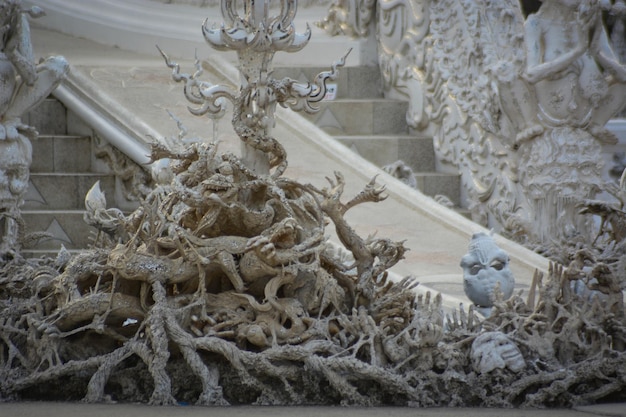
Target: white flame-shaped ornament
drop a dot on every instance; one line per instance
(257, 30)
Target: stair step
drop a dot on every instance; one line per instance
(437, 183)
(49, 117)
(361, 117)
(48, 253)
(61, 191)
(66, 226)
(61, 174)
(352, 82)
(57, 153)
(415, 151)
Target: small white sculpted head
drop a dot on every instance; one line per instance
(494, 350)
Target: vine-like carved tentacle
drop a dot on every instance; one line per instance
(259, 141)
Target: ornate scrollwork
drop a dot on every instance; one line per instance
(503, 96)
(255, 35)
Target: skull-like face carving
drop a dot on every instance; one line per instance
(484, 266)
(493, 350)
(15, 159)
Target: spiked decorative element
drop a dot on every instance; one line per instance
(257, 30)
(255, 37)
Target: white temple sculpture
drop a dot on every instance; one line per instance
(517, 106)
(23, 85)
(222, 287)
(350, 18)
(256, 34)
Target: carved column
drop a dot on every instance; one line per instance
(23, 86)
(256, 34)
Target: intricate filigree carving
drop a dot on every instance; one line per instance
(504, 107)
(256, 37)
(349, 17)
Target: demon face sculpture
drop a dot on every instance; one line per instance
(484, 267)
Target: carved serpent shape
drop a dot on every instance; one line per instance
(262, 142)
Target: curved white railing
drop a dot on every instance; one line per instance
(98, 111)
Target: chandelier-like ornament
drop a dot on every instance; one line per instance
(257, 30)
(255, 33)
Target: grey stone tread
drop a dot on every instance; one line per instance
(437, 174)
(64, 191)
(43, 212)
(70, 174)
(61, 153)
(390, 136)
(43, 136)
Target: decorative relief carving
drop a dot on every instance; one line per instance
(349, 17)
(23, 85)
(518, 107)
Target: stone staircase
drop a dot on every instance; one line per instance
(64, 165)
(62, 171)
(375, 128)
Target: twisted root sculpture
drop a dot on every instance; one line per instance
(222, 289)
(221, 273)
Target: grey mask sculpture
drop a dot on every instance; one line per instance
(484, 266)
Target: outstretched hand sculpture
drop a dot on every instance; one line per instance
(23, 85)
